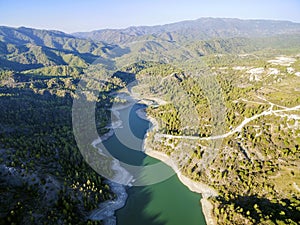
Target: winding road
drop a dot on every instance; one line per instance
(270, 111)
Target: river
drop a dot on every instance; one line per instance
(164, 203)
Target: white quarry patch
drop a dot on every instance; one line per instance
(283, 61)
(255, 74)
(239, 67)
(259, 70)
(223, 68)
(273, 71)
(290, 70)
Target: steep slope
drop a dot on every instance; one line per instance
(52, 39)
(26, 48)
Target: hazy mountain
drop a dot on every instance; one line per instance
(200, 29)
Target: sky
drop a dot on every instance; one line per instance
(87, 15)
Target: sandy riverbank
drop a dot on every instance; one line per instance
(197, 187)
(194, 186)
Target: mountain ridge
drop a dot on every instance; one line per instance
(21, 47)
(202, 28)
(29, 48)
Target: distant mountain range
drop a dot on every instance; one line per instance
(200, 29)
(26, 48)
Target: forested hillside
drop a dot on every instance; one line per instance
(25, 48)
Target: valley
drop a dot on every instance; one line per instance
(222, 96)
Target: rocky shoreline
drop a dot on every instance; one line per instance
(106, 210)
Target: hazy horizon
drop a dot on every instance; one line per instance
(78, 16)
(142, 25)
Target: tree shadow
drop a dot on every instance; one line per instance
(11, 65)
(125, 77)
(277, 210)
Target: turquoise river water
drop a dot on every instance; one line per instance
(165, 203)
